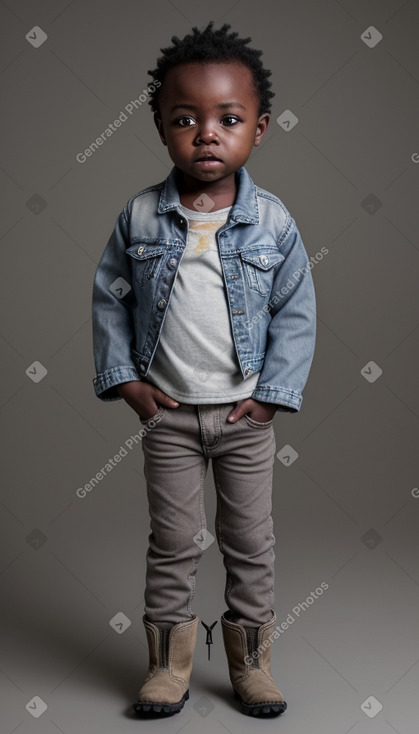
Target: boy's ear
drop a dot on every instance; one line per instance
(159, 125)
(262, 127)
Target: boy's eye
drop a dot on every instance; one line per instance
(181, 121)
(187, 121)
(233, 119)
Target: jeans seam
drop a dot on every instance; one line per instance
(219, 525)
(196, 559)
(217, 425)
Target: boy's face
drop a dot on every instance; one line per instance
(209, 109)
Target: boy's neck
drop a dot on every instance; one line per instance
(223, 193)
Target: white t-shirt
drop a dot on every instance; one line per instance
(195, 360)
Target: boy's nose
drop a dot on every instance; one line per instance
(206, 134)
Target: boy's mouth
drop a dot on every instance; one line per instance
(207, 157)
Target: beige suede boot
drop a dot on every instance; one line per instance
(166, 686)
(249, 663)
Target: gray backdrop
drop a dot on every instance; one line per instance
(346, 510)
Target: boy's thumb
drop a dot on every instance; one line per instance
(167, 400)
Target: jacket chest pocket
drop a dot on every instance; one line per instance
(258, 267)
(146, 261)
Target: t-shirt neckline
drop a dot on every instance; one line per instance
(193, 213)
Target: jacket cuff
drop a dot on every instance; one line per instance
(105, 382)
(288, 399)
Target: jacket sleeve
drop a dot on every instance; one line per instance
(112, 321)
(292, 328)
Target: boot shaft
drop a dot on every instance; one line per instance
(171, 648)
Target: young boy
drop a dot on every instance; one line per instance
(204, 323)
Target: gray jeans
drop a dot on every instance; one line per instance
(177, 447)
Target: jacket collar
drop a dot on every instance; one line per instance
(245, 208)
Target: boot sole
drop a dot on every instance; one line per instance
(267, 708)
(160, 707)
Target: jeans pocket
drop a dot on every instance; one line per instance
(157, 416)
(257, 424)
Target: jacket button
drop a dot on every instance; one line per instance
(264, 260)
(181, 222)
(172, 262)
(140, 250)
(142, 367)
(248, 371)
(161, 304)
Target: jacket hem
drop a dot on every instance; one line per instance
(283, 396)
(105, 382)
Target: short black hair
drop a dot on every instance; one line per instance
(212, 45)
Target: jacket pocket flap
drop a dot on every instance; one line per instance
(265, 260)
(144, 252)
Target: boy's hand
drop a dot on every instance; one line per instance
(144, 398)
(261, 412)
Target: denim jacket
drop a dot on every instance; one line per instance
(268, 285)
